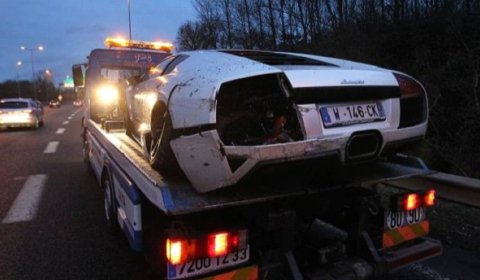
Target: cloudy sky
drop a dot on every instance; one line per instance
(69, 29)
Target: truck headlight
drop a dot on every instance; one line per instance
(107, 94)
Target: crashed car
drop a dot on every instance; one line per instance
(220, 114)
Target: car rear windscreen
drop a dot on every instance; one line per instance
(13, 105)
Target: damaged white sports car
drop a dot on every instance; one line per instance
(221, 114)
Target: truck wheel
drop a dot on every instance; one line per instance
(86, 157)
(109, 204)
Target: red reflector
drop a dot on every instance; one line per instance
(218, 244)
(429, 198)
(175, 251)
(411, 202)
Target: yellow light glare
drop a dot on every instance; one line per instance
(150, 99)
(143, 127)
(107, 94)
(124, 43)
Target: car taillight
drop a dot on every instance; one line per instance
(408, 87)
(412, 101)
(179, 250)
(412, 201)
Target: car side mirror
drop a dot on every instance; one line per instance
(133, 80)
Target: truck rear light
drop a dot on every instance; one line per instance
(411, 202)
(179, 250)
(218, 244)
(429, 198)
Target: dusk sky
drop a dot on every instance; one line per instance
(69, 29)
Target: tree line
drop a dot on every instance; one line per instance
(436, 41)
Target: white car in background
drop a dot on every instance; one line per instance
(20, 112)
(221, 114)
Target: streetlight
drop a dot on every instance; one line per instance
(18, 65)
(129, 23)
(38, 48)
(48, 79)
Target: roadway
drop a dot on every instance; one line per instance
(52, 217)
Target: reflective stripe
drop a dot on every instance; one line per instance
(400, 235)
(246, 273)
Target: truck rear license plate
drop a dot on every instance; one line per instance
(206, 265)
(398, 219)
(334, 116)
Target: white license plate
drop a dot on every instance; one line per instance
(205, 265)
(398, 219)
(334, 116)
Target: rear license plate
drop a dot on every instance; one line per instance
(205, 265)
(334, 116)
(398, 219)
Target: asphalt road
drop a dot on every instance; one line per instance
(55, 229)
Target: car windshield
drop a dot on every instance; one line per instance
(117, 75)
(13, 105)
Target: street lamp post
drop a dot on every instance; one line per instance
(18, 65)
(38, 48)
(48, 79)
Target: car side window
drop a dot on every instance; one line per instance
(160, 68)
(179, 59)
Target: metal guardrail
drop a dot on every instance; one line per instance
(450, 187)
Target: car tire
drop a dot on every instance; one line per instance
(36, 125)
(109, 205)
(162, 157)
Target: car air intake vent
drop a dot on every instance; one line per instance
(363, 145)
(313, 95)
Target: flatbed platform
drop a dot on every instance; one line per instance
(176, 196)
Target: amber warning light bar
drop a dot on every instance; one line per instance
(124, 43)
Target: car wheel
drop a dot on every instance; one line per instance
(36, 124)
(109, 205)
(162, 157)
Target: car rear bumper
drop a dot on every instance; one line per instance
(208, 164)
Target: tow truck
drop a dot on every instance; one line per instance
(309, 220)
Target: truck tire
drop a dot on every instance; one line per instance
(86, 157)
(109, 204)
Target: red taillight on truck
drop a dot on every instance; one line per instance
(180, 250)
(429, 198)
(412, 201)
(176, 251)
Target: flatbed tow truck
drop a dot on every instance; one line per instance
(313, 220)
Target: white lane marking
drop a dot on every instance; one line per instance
(51, 147)
(69, 118)
(65, 122)
(60, 130)
(25, 206)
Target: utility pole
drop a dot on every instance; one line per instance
(129, 23)
(18, 65)
(39, 48)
